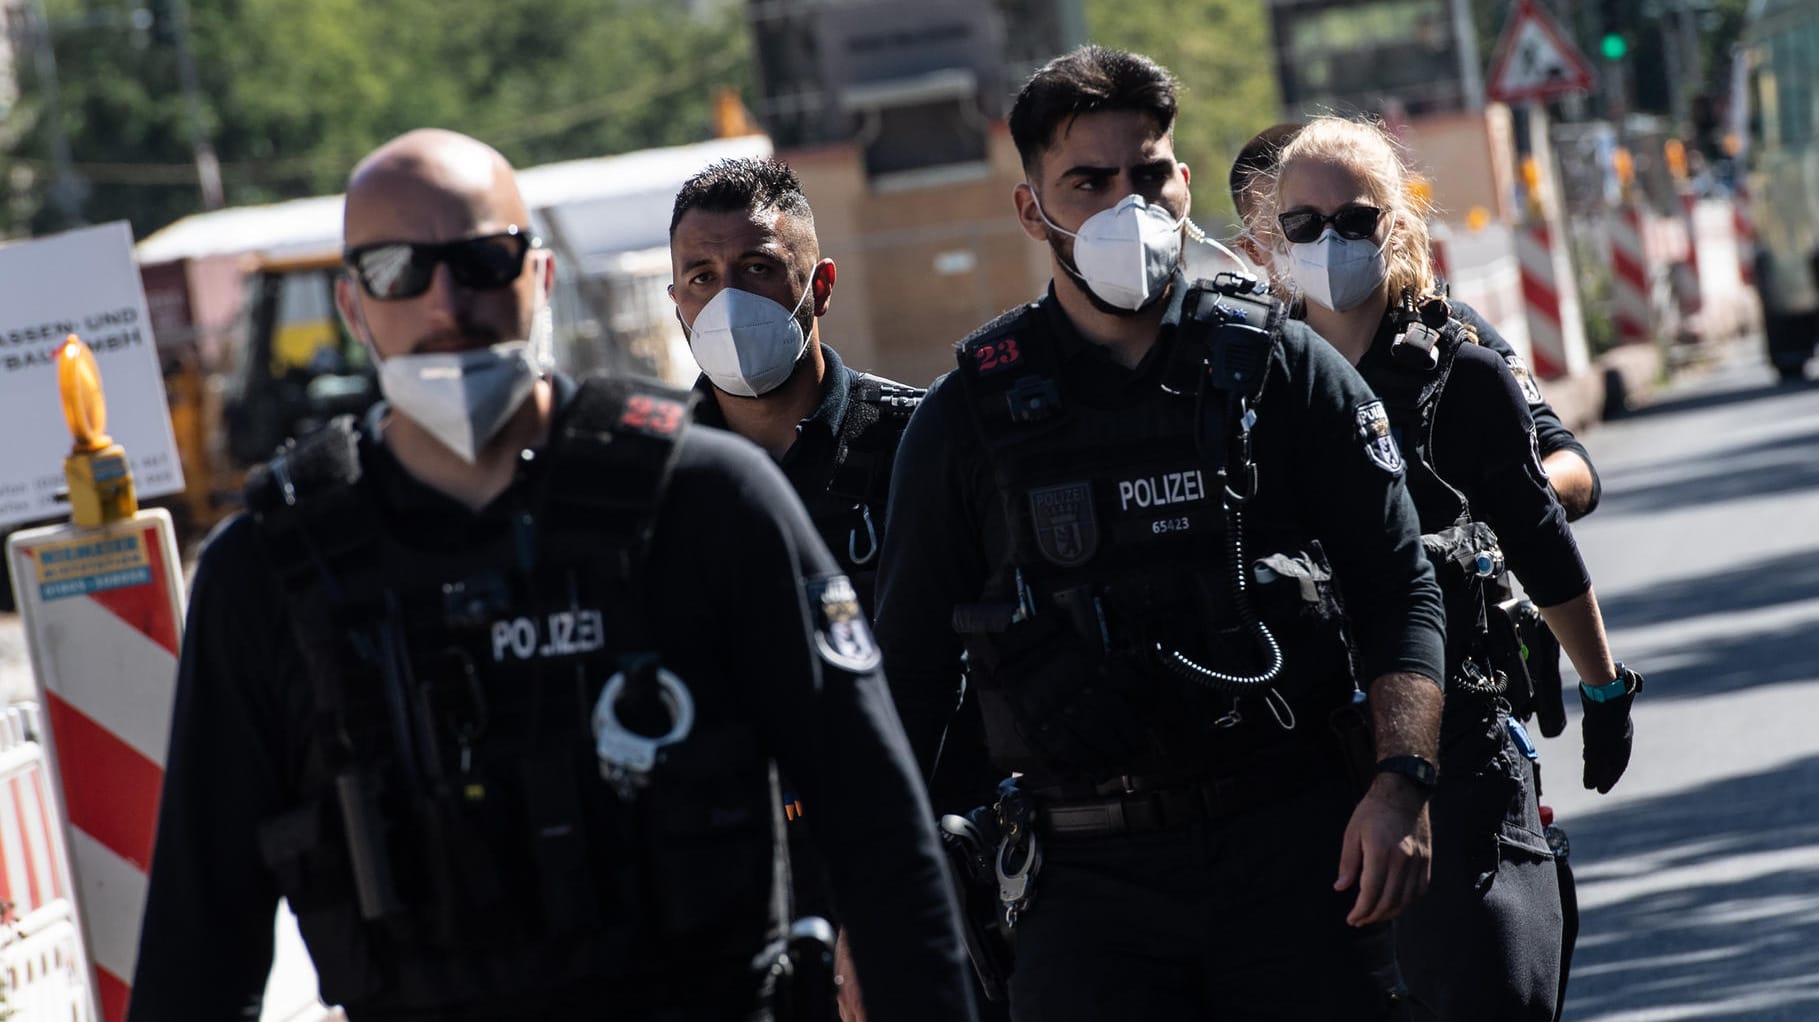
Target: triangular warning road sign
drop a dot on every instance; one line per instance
(1535, 59)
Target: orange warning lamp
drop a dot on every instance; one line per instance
(1675, 152)
(100, 481)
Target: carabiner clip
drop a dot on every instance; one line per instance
(871, 539)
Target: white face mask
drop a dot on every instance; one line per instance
(1125, 254)
(1337, 273)
(463, 398)
(746, 343)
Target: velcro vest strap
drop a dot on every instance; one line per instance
(611, 462)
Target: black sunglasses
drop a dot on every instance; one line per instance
(390, 270)
(1305, 225)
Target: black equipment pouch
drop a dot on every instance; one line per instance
(1541, 657)
(971, 843)
(1505, 648)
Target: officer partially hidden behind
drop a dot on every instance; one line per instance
(751, 288)
(1133, 507)
(489, 686)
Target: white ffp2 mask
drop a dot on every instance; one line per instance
(464, 398)
(1125, 253)
(746, 344)
(1337, 273)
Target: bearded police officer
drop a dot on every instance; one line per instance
(751, 287)
(489, 685)
(1133, 507)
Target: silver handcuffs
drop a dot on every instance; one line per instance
(627, 757)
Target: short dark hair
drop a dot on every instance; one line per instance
(743, 183)
(1091, 79)
(1259, 156)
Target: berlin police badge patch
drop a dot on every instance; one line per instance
(1067, 531)
(1531, 391)
(1374, 433)
(841, 635)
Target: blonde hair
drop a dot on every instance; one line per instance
(1366, 149)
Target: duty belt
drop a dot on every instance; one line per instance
(1135, 806)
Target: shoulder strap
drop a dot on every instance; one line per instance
(307, 504)
(877, 411)
(320, 534)
(611, 460)
(1010, 373)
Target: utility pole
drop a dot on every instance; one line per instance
(208, 167)
(67, 190)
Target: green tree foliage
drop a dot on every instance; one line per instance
(293, 93)
(1220, 49)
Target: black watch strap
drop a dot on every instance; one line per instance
(1416, 768)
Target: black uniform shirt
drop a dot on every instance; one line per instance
(1314, 474)
(730, 553)
(808, 464)
(1485, 446)
(1551, 433)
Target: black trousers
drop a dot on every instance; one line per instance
(1484, 943)
(1230, 921)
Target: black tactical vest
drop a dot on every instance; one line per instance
(849, 510)
(1468, 564)
(1115, 557)
(456, 838)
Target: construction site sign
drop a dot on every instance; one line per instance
(81, 282)
(1536, 60)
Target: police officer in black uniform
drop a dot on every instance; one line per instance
(750, 287)
(1485, 942)
(1570, 472)
(1132, 507)
(1570, 475)
(490, 686)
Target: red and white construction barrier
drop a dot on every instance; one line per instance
(1743, 230)
(103, 610)
(1632, 309)
(41, 949)
(1551, 301)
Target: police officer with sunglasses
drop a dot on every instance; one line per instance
(1570, 472)
(456, 687)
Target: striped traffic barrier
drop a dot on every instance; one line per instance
(101, 599)
(1744, 229)
(103, 609)
(1629, 261)
(1550, 301)
(1691, 295)
(41, 950)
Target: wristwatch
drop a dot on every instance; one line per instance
(1626, 682)
(1416, 768)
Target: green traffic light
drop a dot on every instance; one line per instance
(1613, 46)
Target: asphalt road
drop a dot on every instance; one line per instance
(1699, 874)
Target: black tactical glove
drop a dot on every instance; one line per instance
(1607, 730)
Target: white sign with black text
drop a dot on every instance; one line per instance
(82, 282)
